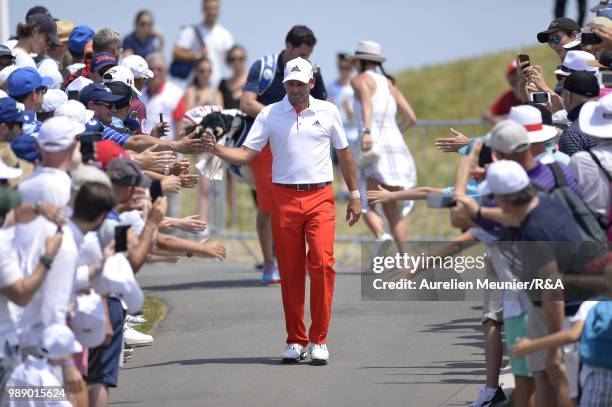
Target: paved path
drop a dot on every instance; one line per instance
(219, 346)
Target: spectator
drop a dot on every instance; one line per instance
(200, 92)
(560, 9)
(231, 88)
(341, 93)
(145, 39)
(107, 40)
(80, 36)
(561, 31)
(579, 88)
(50, 62)
(34, 37)
(26, 86)
(501, 107)
(142, 73)
(217, 41)
(596, 23)
(100, 63)
(6, 57)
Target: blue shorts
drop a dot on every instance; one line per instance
(104, 360)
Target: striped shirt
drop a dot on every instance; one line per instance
(573, 139)
(543, 176)
(111, 134)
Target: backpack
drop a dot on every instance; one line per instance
(182, 69)
(267, 71)
(608, 222)
(596, 339)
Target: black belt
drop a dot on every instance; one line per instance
(306, 187)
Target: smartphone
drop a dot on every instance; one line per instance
(524, 58)
(606, 78)
(590, 39)
(156, 190)
(121, 238)
(73, 95)
(540, 97)
(485, 157)
(88, 140)
(161, 117)
(440, 201)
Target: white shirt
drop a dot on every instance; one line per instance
(46, 184)
(23, 59)
(35, 372)
(9, 275)
(218, 41)
(593, 184)
(300, 144)
(164, 102)
(49, 67)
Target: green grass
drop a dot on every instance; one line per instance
(460, 89)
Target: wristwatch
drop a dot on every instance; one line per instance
(36, 207)
(366, 130)
(46, 261)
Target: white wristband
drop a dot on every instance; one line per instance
(355, 194)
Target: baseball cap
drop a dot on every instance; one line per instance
(123, 74)
(576, 61)
(64, 29)
(8, 172)
(46, 24)
(6, 51)
(88, 173)
(596, 117)
(561, 23)
(504, 177)
(58, 342)
(95, 92)
(87, 319)
(9, 199)
(511, 67)
(531, 118)
(75, 111)
(298, 69)
(582, 83)
(125, 172)
(117, 280)
(5, 72)
(509, 137)
(58, 133)
(138, 66)
(107, 151)
(102, 60)
(26, 80)
(604, 62)
(78, 84)
(24, 147)
(53, 99)
(10, 112)
(79, 37)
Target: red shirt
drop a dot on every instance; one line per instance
(503, 104)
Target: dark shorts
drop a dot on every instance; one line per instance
(104, 360)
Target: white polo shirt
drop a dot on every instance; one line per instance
(300, 143)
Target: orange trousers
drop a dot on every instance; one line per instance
(300, 218)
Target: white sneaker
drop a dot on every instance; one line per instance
(294, 353)
(134, 338)
(135, 320)
(319, 355)
(382, 245)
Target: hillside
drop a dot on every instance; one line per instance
(463, 89)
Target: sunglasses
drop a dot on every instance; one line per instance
(554, 39)
(346, 67)
(145, 24)
(205, 71)
(41, 89)
(236, 59)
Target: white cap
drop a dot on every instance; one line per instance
(117, 280)
(509, 137)
(58, 133)
(138, 65)
(121, 74)
(88, 173)
(58, 342)
(504, 177)
(596, 117)
(7, 172)
(88, 320)
(531, 118)
(75, 111)
(5, 72)
(298, 69)
(53, 99)
(576, 61)
(78, 84)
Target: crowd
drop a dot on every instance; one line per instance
(96, 142)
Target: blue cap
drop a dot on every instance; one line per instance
(95, 92)
(79, 37)
(24, 147)
(26, 80)
(9, 113)
(102, 60)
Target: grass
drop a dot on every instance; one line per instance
(154, 310)
(461, 89)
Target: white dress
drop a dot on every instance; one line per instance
(396, 166)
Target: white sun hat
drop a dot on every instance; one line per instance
(596, 117)
(531, 118)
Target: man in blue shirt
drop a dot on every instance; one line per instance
(26, 86)
(265, 86)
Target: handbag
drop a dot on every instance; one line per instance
(182, 69)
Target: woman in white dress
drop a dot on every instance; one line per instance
(390, 163)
